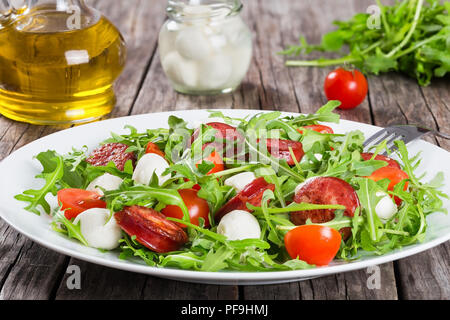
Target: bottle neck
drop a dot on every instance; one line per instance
(198, 10)
(49, 15)
(66, 5)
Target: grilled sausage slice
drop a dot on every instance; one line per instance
(151, 228)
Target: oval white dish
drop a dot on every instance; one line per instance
(19, 169)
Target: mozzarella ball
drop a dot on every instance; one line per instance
(106, 181)
(215, 71)
(99, 230)
(233, 28)
(180, 70)
(191, 43)
(149, 164)
(240, 180)
(218, 42)
(239, 225)
(385, 208)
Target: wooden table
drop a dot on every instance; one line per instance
(29, 271)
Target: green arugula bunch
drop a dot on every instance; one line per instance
(413, 38)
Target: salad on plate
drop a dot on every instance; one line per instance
(267, 192)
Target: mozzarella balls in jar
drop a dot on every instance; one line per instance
(205, 46)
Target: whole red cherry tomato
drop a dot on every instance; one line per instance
(75, 201)
(197, 207)
(313, 243)
(349, 87)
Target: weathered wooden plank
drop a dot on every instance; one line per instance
(353, 285)
(134, 19)
(139, 22)
(289, 291)
(163, 289)
(426, 276)
(11, 244)
(34, 274)
(437, 98)
(312, 19)
(18, 255)
(132, 25)
(397, 99)
(101, 283)
(161, 97)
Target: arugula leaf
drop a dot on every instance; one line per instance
(131, 248)
(413, 39)
(367, 195)
(143, 195)
(216, 260)
(53, 171)
(70, 229)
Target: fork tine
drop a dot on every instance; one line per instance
(376, 138)
(393, 137)
(393, 149)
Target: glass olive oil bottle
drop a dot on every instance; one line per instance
(58, 63)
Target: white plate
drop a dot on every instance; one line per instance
(18, 171)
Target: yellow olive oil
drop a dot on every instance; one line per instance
(49, 76)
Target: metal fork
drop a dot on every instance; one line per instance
(407, 133)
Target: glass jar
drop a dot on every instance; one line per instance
(58, 61)
(205, 46)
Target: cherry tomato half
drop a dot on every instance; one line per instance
(216, 159)
(314, 244)
(395, 176)
(349, 87)
(197, 207)
(153, 148)
(318, 128)
(391, 162)
(75, 201)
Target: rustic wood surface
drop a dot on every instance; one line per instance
(29, 271)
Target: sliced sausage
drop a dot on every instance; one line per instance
(279, 149)
(224, 131)
(151, 228)
(252, 193)
(115, 152)
(325, 190)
